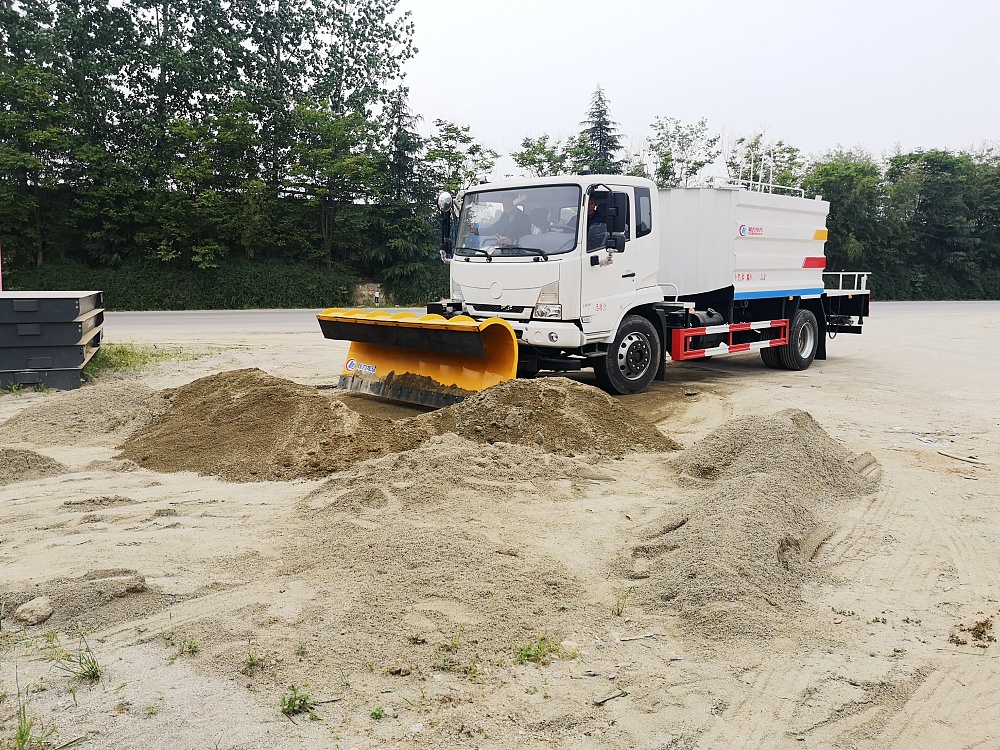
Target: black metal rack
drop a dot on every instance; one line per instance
(46, 338)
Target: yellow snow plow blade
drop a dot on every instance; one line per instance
(429, 360)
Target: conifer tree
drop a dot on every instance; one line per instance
(599, 143)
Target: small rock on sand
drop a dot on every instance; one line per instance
(33, 612)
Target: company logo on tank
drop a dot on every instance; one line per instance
(746, 231)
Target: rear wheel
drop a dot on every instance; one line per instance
(803, 340)
(631, 363)
(772, 357)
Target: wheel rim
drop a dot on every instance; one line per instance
(633, 356)
(806, 341)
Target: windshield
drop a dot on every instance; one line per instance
(527, 221)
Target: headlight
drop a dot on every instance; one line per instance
(548, 307)
(548, 312)
(456, 291)
(549, 294)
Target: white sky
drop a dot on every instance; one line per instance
(874, 74)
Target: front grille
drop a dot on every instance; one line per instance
(499, 308)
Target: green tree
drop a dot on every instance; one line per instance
(405, 223)
(984, 202)
(362, 53)
(33, 144)
(599, 143)
(455, 158)
(928, 196)
(540, 158)
(681, 151)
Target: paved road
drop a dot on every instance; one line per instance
(145, 324)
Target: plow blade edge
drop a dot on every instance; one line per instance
(430, 360)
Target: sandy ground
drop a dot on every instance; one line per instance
(779, 582)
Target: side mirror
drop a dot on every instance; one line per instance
(616, 243)
(445, 203)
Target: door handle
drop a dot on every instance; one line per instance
(629, 275)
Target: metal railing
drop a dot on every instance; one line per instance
(847, 281)
(767, 187)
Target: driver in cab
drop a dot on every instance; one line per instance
(512, 225)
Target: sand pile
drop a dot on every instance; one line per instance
(25, 466)
(431, 541)
(245, 425)
(96, 414)
(732, 558)
(556, 415)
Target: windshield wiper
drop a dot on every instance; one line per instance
(477, 251)
(532, 250)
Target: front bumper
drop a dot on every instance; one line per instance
(551, 333)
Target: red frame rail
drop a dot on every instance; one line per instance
(681, 340)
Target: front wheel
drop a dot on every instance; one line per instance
(632, 361)
(803, 340)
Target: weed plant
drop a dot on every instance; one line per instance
(293, 702)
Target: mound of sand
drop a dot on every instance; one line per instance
(731, 560)
(556, 415)
(101, 413)
(25, 466)
(245, 426)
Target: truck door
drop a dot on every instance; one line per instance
(608, 284)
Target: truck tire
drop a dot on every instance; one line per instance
(632, 361)
(803, 341)
(772, 357)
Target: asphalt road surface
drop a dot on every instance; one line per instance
(147, 324)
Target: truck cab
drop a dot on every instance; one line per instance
(584, 254)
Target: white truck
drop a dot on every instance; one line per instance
(649, 274)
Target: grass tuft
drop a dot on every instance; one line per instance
(82, 665)
(129, 357)
(542, 650)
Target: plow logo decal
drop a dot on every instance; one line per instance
(352, 365)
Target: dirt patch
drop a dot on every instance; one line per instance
(26, 466)
(99, 503)
(731, 558)
(556, 415)
(427, 539)
(95, 600)
(980, 631)
(102, 413)
(247, 426)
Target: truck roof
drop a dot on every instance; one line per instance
(565, 179)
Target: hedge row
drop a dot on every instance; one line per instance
(161, 287)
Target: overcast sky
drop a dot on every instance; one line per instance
(874, 74)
